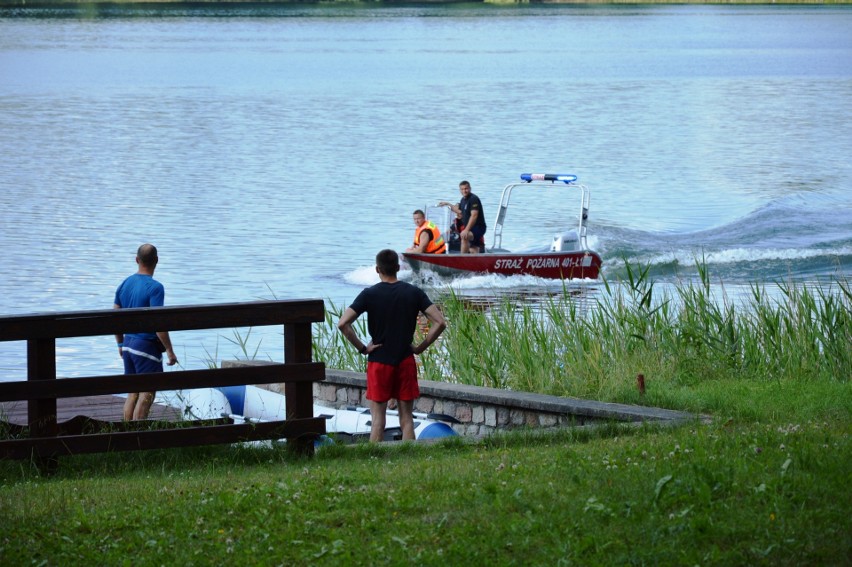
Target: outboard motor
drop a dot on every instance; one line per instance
(566, 242)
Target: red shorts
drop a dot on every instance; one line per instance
(399, 382)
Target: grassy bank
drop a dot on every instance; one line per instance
(725, 494)
(765, 483)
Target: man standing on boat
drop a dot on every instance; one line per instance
(142, 352)
(392, 309)
(473, 218)
(427, 236)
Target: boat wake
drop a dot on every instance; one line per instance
(483, 289)
(777, 241)
(362, 276)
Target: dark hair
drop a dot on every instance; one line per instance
(147, 254)
(464, 183)
(419, 212)
(387, 261)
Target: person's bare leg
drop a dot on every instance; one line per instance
(143, 406)
(465, 243)
(377, 416)
(129, 406)
(406, 418)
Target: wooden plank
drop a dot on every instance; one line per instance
(293, 430)
(185, 379)
(83, 425)
(106, 408)
(193, 317)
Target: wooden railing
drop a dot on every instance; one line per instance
(45, 439)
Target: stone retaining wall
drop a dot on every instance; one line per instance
(480, 411)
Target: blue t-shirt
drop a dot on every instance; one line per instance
(140, 290)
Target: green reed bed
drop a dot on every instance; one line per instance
(690, 338)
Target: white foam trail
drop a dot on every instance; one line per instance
(751, 255)
(593, 242)
(496, 282)
(734, 255)
(492, 283)
(365, 275)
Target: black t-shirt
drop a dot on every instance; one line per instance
(392, 310)
(468, 205)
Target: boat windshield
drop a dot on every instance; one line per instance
(442, 217)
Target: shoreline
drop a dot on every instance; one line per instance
(81, 3)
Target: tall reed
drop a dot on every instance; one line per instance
(686, 335)
(330, 346)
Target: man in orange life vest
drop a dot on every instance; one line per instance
(427, 236)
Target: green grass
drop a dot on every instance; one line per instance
(764, 482)
(723, 494)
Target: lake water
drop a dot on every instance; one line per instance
(270, 151)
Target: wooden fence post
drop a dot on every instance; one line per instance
(299, 395)
(41, 413)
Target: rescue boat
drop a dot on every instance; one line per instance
(566, 257)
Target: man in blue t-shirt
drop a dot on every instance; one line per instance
(392, 309)
(142, 352)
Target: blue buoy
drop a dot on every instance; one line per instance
(436, 430)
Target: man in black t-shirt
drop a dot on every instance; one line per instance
(392, 309)
(473, 219)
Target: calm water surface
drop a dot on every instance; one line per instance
(270, 151)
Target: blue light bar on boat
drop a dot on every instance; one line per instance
(564, 177)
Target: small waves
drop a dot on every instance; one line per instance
(741, 255)
(743, 263)
(779, 240)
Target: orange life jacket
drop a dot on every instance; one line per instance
(436, 242)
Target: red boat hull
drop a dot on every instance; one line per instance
(551, 265)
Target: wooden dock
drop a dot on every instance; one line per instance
(103, 408)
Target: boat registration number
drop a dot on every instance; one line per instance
(535, 263)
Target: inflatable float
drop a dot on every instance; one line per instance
(250, 403)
